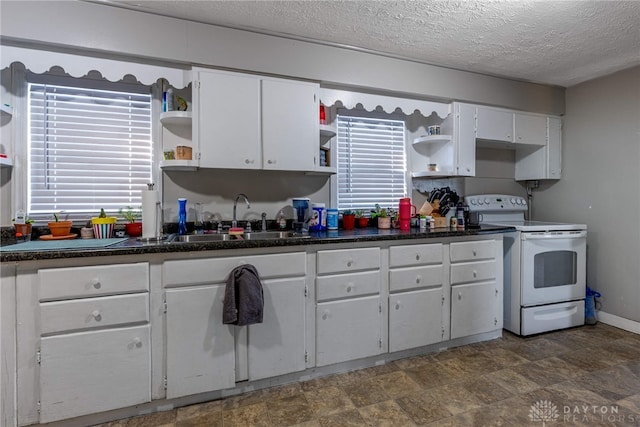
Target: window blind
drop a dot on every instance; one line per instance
(89, 149)
(371, 162)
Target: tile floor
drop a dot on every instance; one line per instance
(587, 376)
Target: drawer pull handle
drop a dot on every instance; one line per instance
(397, 306)
(496, 292)
(475, 253)
(349, 288)
(475, 273)
(137, 342)
(417, 257)
(418, 279)
(459, 296)
(325, 315)
(349, 263)
(96, 284)
(96, 315)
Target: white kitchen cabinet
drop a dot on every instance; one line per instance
(348, 309)
(203, 354)
(227, 121)
(83, 340)
(247, 121)
(541, 162)
(530, 129)
(476, 287)
(416, 299)
(348, 330)
(200, 348)
(94, 372)
(277, 346)
(415, 319)
(290, 125)
(494, 124)
(453, 152)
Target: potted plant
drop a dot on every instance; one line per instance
(131, 215)
(348, 220)
(23, 231)
(59, 228)
(362, 220)
(384, 221)
(103, 225)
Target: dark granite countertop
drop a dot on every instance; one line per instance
(135, 247)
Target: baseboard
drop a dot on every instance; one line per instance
(619, 322)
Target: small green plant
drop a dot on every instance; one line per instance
(359, 213)
(347, 212)
(379, 212)
(131, 214)
(55, 217)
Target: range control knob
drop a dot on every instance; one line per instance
(486, 200)
(513, 201)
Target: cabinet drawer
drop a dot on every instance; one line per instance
(415, 277)
(216, 270)
(347, 285)
(59, 316)
(472, 251)
(473, 272)
(345, 260)
(82, 282)
(404, 256)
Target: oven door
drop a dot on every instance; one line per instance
(553, 266)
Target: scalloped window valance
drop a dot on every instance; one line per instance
(389, 104)
(41, 61)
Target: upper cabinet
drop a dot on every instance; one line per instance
(247, 121)
(535, 138)
(452, 153)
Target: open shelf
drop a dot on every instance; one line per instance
(176, 118)
(327, 131)
(431, 139)
(178, 165)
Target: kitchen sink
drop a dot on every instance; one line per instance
(253, 235)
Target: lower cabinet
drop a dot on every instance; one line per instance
(200, 348)
(474, 309)
(415, 319)
(202, 353)
(94, 371)
(348, 330)
(277, 345)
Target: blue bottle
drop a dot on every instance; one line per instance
(182, 216)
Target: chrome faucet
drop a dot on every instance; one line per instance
(234, 223)
(264, 221)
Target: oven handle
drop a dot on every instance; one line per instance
(549, 236)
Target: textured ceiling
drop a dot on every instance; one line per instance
(553, 42)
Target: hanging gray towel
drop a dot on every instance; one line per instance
(243, 297)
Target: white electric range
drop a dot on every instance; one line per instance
(544, 266)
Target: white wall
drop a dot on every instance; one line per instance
(137, 36)
(600, 185)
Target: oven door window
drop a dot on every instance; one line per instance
(554, 268)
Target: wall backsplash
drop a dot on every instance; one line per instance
(216, 189)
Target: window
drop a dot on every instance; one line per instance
(90, 146)
(371, 162)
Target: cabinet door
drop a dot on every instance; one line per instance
(347, 330)
(465, 139)
(415, 319)
(200, 348)
(554, 148)
(474, 309)
(277, 345)
(95, 371)
(494, 125)
(227, 121)
(290, 129)
(530, 129)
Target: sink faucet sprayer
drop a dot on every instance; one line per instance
(234, 223)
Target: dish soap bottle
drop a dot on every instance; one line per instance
(182, 216)
(282, 221)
